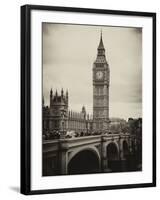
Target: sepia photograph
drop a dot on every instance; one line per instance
(91, 99)
(88, 103)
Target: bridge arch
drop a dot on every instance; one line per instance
(112, 151)
(85, 160)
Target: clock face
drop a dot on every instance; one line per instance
(99, 75)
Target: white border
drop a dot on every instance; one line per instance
(41, 183)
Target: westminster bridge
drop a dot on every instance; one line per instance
(91, 154)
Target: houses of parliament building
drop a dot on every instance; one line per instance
(58, 118)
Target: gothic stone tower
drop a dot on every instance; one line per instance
(59, 111)
(101, 79)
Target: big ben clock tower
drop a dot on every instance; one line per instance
(101, 76)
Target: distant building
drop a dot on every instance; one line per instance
(116, 121)
(135, 126)
(118, 125)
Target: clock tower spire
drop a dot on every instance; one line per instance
(101, 76)
(101, 48)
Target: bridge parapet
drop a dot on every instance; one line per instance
(67, 143)
(50, 145)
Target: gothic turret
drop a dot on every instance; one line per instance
(62, 92)
(56, 95)
(84, 111)
(51, 96)
(67, 97)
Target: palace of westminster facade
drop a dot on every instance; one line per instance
(58, 118)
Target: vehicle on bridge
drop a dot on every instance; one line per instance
(71, 134)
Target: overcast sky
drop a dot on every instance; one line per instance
(68, 55)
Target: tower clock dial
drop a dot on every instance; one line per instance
(99, 75)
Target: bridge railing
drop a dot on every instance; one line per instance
(73, 134)
(86, 137)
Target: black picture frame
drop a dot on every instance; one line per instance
(26, 97)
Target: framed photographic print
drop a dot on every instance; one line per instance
(88, 99)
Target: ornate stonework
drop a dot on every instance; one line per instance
(101, 80)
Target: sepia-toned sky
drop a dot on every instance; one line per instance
(68, 55)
